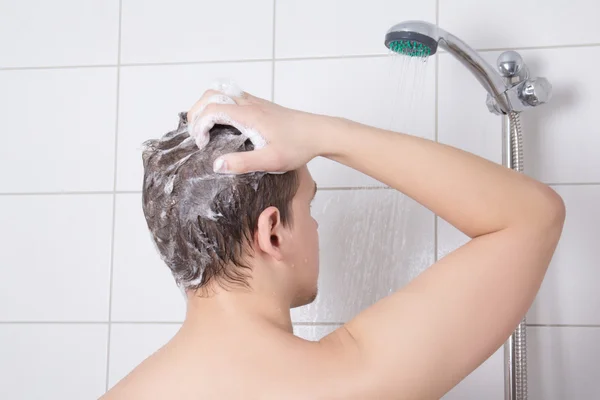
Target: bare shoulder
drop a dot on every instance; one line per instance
(152, 379)
(274, 365)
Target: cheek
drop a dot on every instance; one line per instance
(307, 247)
(316, 239)
(311, 233)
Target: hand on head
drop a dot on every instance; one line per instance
(284, 139)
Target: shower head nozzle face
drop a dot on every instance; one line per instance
(410, 48)
(411, 44)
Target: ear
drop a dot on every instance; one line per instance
(270, 233)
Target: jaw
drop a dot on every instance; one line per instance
(305, 299)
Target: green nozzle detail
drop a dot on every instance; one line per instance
(410, 48)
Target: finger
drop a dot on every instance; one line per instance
(214, 114)
(212, 94)
(250, 161)
(200, 103)
(217, 98)
(225, 114)
(239, 117)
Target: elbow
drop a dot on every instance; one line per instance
(543, 212)
(557, 209)
(553, 210)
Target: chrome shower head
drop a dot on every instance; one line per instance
(509, 87)
(420, 38)
(412, 38)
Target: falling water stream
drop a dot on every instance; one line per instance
(375, 240)
(407, 84)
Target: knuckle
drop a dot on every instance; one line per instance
(244, 98)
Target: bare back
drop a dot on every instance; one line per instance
(245, 362)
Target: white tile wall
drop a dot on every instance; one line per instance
(555, 134)
(569, 294)
(58, 361)
(61, 129)
(314, 333)
(56, 257)
(143, 287)
(466, 124)
(387, 241)
(526, 23)
(312, 28)
(350, 88)
(185, 31)
(151, 98)
(130, 344)
(486, 382)
(35, 33)
(65, 64)
(562, 138)
(563, 362)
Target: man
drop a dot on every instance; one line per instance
(244, 246)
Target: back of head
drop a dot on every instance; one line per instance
(201, 222)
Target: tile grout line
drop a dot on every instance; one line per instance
(114, 215)
(74, 193)
(350, 188)
(127, 65)
(300, 323)
(273, 53)
(556, 46)
(325, 188)
(250, 60)
(574, 184)
(564, 325)
(57, 67)
(437, 79)
(437, 72)
(53, 322)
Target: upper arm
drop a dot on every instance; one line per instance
(423, 340)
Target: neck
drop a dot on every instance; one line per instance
(238, 305)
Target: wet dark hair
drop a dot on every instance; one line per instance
(202, 223)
